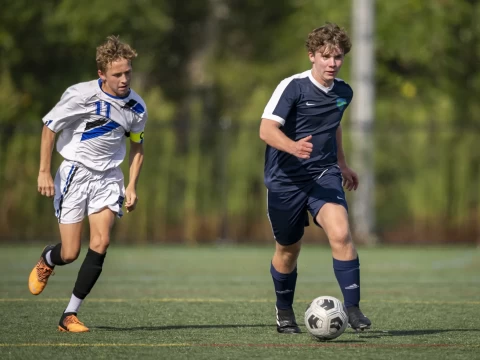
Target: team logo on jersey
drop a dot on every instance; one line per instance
(341, 103)
(134, 106)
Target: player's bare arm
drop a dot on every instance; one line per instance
(270, 133)
(45, 180)
(350, 177)
(136, 161)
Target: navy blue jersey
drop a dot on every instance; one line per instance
(304, 107)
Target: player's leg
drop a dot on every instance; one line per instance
(105, 198)
(288, 217)
(329, 207)
(100, 226)
(284, 275)
(69, 203)
(334, 220)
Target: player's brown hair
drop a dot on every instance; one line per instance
(112, 50)
(326, 38)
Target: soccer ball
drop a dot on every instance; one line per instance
(326, 318)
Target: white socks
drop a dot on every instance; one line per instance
(73, 305)
(49, 259)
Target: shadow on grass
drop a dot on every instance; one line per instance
(175, 327)
(336, 341)
(387, 333)
(190, 327)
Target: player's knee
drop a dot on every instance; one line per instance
(289, 258)
(288, 254)
(69, 255)
(100, 243)
(339, 237)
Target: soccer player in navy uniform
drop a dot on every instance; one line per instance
(93, 120)
(306, 170)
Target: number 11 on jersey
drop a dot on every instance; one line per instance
(103, 108)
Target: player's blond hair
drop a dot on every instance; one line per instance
(112, 50)
(326, 38)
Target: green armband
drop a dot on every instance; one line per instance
(137, 137)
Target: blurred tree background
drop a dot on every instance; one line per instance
(206, 69)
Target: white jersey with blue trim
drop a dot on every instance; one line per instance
(94, 124)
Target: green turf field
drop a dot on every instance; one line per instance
(218, 303)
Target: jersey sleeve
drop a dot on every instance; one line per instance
(138, 126)
(69, 109)
(284, 98)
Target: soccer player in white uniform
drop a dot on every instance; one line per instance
(94, 120)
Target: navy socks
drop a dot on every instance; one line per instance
(284, 287)
(348, 277)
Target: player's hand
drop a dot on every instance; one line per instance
(131, 199)
(303, 148)
(350, 178)
(45, 184)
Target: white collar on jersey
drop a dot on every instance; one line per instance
(317, 84)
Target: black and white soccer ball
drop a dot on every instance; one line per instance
(326, 318)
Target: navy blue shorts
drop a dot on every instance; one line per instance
(288, 211)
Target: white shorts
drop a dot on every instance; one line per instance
(80, 191)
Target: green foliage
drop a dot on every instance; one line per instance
(206, 70)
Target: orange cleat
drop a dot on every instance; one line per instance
(70, 323)
(41, 272)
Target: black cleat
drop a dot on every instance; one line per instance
(286, 323)
(357, 320)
